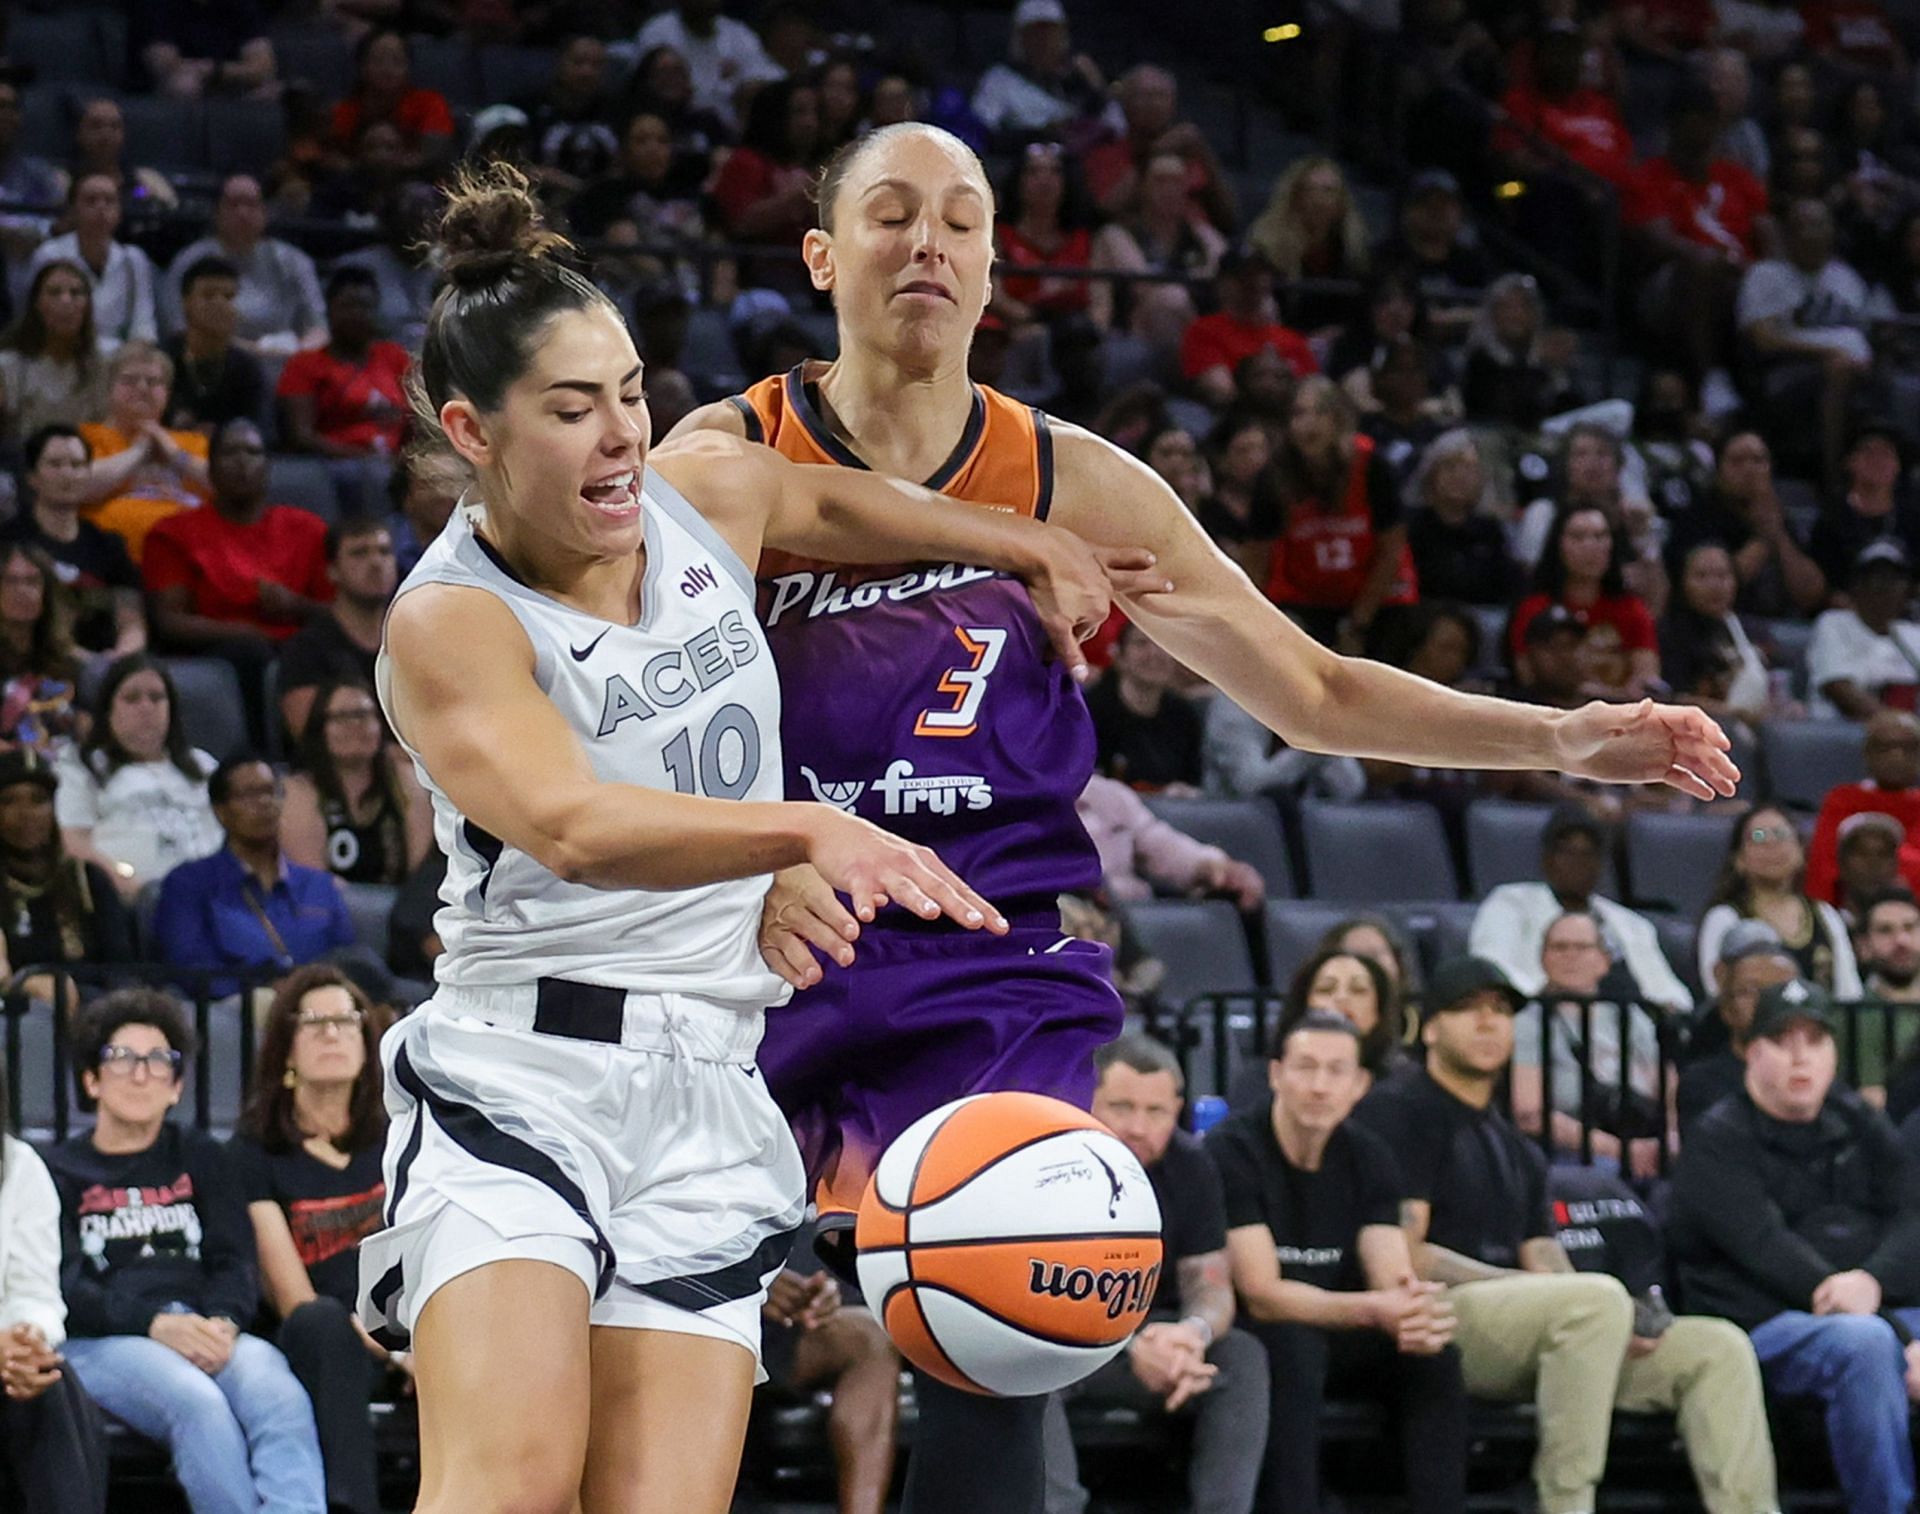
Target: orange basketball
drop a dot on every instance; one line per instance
(1009, 1243)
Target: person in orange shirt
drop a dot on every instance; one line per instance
(141, 472)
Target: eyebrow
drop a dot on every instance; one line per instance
(910, 186)
(588, 386)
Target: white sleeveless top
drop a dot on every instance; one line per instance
(686, 700)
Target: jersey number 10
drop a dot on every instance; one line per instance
(709, 774)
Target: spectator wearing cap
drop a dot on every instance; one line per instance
(1149, 102)
(722, 58)
(1459, 550)
(1551, 669)
(1582, 569)
(1188, 1358)
(246, 906)
(1797, 1216)
(1138, 850)
(54, 907)
(186, 50)
(109, 613)
(278, 308)
(1743, 513)
(1474, 1207)
(1763, 877)
(1874, 504)
(1510, 927)
(1432, 245)
(1698, 220)
(1324, 1276)
(214, 380)
(1866, 657)
(121, 274)
(1215, 345)
(1577, 1036)
(1806, 317)
(1751, 959)
(1891, 787)
(1044, 86)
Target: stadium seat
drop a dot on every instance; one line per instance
(305, 482)
(65, 46)
(709, 353)
(514, 73)
(1503, 845)
(1368, 853)
(1679, 942)
(370, 905)
(46, 121)
(226, 1083)
(1293, 928)
(1673, 860)
(33, 1065)
(1492, 620)
(1438, 928)
(1805, 758)
(317, 56)
(211, 707)
(245, 136)
(168, 133)
(1200, 942)
(446, 64)
(1246, 829)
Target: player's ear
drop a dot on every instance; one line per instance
(816, 250)
(466, 431)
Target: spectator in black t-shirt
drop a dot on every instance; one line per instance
(1476, 1213)
(1431, 246)
(1876, 503)
(1743, 513)
(1241, 512)
(214, 380)
(1458, 553)
(157, 1269)
(307, 1162)
(1187, 1355)
(342, 641)
(110, 613)
(1322, 1268)
(569, 136)
(1149, 736)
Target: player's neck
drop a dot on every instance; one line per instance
(901, 420)
(606, 588)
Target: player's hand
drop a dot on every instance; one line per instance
(1674, 744)
(801, 915)
(1073, 585)
(874, 868)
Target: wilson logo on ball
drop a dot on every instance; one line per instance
(1129, 1291)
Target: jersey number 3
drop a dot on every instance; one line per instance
(965, 685)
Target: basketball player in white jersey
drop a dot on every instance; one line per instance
(588, 1185)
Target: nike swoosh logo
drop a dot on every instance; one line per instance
(581, 654)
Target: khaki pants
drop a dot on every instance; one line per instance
(1562, 1339)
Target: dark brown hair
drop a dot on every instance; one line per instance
(268, 1117)
(28, 335)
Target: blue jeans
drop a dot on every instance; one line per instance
(1854, 1365)
(242, 1440)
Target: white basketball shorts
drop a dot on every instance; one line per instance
(627, 1137)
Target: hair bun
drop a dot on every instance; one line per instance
(491, 225)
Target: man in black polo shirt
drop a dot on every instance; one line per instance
(1477, 1217)
(1187, 1358)
(110, 614)
(1322, 1268)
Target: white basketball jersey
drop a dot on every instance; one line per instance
(686, 701)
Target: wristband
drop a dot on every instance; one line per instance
(1197, 1322)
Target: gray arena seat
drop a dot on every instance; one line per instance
(1248, 830)
(1805, 758)
(1200, 942)
(169, 133)
(1503, 845)
(245, 136)
(1369, 853)
(211, 707)
(370, 906)
(305, 482)
(1293, 928)
(1673, 860)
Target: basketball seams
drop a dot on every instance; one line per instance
(927, 1330)
(962, 1242)
(916, 1202)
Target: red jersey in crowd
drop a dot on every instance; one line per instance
(1721, 213)
(1327, 547)
(1216, 339)
(1616, 623)
(1076, 251)
(420, 113)
(1585, 125)
(1840, 805)
(354, 404)
(222, 562)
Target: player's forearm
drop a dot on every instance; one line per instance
(625, 836)
(848, 516)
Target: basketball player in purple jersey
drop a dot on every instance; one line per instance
(923, 699)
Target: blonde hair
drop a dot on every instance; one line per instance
(1278, 235)
(137, 351)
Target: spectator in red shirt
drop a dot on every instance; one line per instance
(1698, 220)
(1215, 345)
(1582, 571)
(384, 91)
(1892, 787)
(347, 399)
(238, 576)
(1149, 100)
(1557, 109)
(1043, 221)
(1857, 33)
(764, 191)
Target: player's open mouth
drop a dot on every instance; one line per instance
(616, 496)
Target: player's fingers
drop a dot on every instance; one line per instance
(1688, 783)
(946, 889)
(1134, 582)
(829, 935)
(791, 960)
(1066, 643)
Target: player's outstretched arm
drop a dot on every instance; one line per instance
(462, 693)
(1217, 623)
(755, 497)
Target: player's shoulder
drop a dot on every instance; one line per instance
(451, 626)
(726, 417)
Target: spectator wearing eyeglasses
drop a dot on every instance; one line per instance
(354, 808)
(158, 1273)
(1764, 878)
(307, 1161)
(141, 472)
(247, 905)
